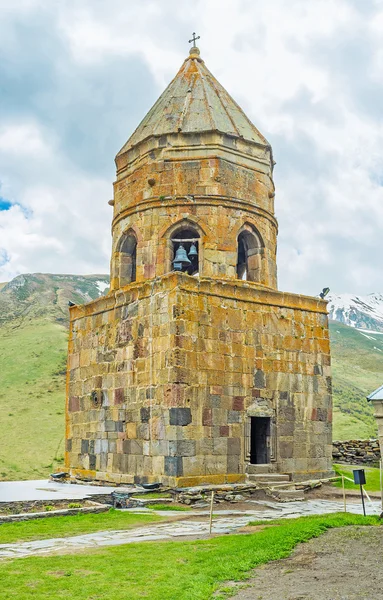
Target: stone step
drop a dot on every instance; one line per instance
(269, 478)
(288, 495)
(259, 469)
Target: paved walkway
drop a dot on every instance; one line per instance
(43, 489)
(224, 522)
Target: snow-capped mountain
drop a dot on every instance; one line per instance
(362, 312)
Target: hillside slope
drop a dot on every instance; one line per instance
(33, 348)
(357, 366)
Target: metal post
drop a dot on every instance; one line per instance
(344, 495)
(211, 513)
(361, 493)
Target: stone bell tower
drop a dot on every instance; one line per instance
(195, 168)
(194, 368)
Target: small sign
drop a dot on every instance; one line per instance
(359, 477)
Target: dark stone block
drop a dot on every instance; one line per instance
(173, 466)
(233, 416)
(126, 446)
(143, 432)
(238, 402)
(287, 413)
(110, 425)
(84, 446)
(92, 461)
(207, 418)
(259, 379)
(136, 447)
(98, 382)
(68, 445)
(224, 431)
(120, 426)
(74, 404)
(215, 400)
(124, 463)
(91, 446)
(119, 396)
(103, 461)
(286, 429)
(141, 329)
(234, 446)
(145, 414)
(318, 370)
(284, 395)
(321, 414)
(286, 449)
(182, 448)
(116, 462)
(180, 416)
(233, 464)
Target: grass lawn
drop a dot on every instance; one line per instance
(190, 570)
(72, 525)
(32, 399)
(372, 478)
(169, 507)
(152, 495)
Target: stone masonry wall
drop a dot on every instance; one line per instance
(242, 352)
(164, 377)
(356, 451)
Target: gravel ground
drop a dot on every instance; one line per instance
(342, 564)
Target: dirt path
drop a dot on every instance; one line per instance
(343, 564)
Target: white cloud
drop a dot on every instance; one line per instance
(308, 74)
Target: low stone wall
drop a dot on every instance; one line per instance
(357, 452)
(54, 513)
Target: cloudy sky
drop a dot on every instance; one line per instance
(77, 76)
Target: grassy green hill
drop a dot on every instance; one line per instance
(33, 346)
(357, 365)
(32, 368)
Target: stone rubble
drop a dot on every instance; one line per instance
(357, 451)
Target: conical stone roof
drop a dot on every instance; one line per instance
(195, 102)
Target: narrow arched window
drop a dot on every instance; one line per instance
(249, 256)
(127, 258)
(185, 244)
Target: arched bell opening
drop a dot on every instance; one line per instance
(249, 255)
(185, 246)
(127, 259)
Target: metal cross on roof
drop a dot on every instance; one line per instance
(194, 38)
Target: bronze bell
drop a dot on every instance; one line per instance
(193, 251)
(180, 259)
